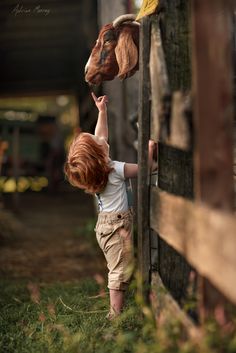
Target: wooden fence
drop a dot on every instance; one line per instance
(186, 212)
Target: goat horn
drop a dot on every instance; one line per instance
(124, 18)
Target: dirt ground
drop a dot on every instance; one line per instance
(53, 243)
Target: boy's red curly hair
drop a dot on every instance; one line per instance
(87, 167)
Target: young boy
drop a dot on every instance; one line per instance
(90, 168)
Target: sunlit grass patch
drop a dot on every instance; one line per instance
(60, 317)
(71, 318)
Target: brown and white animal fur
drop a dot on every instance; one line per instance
(115, 53)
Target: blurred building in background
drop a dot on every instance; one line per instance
(44, 98)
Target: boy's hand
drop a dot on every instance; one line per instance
(100, 102)
(152, 155)
(152, 146)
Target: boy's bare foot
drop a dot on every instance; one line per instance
(112, 314)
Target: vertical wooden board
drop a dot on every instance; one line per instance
(213, 97)
(180, 129)
(213, 115)
(175, 34)
(144, 133)
(159, 81)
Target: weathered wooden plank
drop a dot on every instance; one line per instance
(160, 91)
(213, 102)
(178, 133)
(173, 130)
(165, 306)
(213, 115)
(143, 137)
(197, 231)
(180, 128)
(174, 19)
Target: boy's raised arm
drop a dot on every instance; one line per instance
(101, 129)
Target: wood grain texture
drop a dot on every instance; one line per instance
(213, 102)
(213, 119)
(205, 237)
(143, 137)
(164, 306)
(164, 106)
(180, 133)
(160, 91)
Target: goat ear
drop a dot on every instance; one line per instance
(126, 54)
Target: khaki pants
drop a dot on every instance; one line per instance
(114, 236)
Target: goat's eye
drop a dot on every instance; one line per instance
(109, 36)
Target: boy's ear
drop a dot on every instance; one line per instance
(126, 54)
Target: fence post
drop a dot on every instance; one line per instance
(213, 114)
(175, 171)
(143, 137)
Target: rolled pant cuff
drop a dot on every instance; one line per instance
(118, 285)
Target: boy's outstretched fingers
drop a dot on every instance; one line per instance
(104, 99)
(94, 97)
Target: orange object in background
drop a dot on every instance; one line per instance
(3, 147)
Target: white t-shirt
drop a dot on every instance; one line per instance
(114, 197)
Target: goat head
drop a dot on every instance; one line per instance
(115, 52)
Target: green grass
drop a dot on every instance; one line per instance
(63, 318)
(70, 318)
